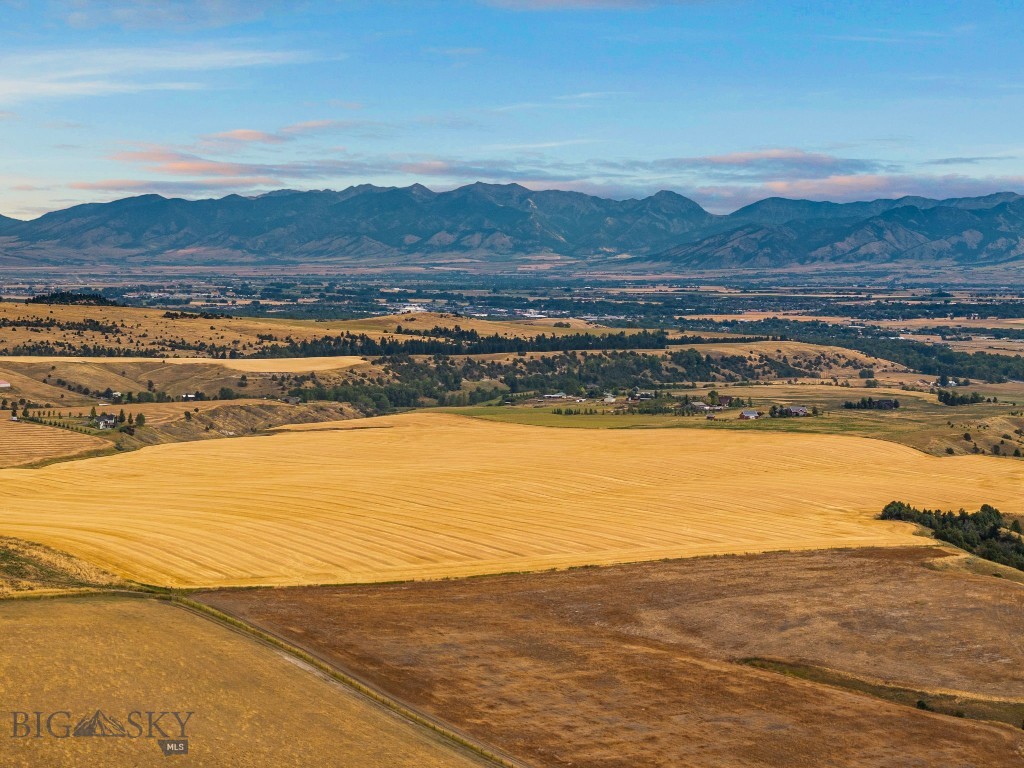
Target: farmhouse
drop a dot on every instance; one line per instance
(796, 410)
(106, 421)
(749, 415)
(725, 401)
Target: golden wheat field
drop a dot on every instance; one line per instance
(245, 364)
(251, 705)
(25, 443)
(426, 495)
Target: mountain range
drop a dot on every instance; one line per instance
(500, 227)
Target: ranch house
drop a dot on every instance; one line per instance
(796, 410)
(106, 421)
(749, 415)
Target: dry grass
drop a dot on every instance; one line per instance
(146, 333)
(246, 365)
(25, 443)
(636, 665)
(799, 353)
(430, 495)
(27, 568)
(424, 321)
(252, 705)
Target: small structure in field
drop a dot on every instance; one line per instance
(725, 401)
(106, 421)
(749, 415)
(556, 396)
(5, 384)
(796, 410)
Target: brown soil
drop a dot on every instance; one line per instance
(639, 664)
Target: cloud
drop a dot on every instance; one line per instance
(243, 136)
(365, 128)
(966, 160)
(159, 14)
(102, 71)
(759, 165)
(538, 145)
(720, 182)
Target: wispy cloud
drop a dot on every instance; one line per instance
(159, 14)
(758, 165)
(967, 160)
(905, 36)
(241, 136)
(540, 145)
(26, 76)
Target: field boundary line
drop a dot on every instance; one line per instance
(366, 689)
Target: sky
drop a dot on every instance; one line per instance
(724, 101)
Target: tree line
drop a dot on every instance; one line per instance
(984, 533)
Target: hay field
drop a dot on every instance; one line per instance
(26, 443)
(427, 495)
(252, 706)
(145, 332)
(246, 365)
(424, 321)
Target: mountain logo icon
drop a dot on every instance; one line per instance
(98, 724)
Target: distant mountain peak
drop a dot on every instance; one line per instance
(369, 226)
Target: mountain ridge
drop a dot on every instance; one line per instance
(491, 226)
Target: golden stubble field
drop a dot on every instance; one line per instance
(146, 332)
(242, 364)
(252, 706)
(429, 495)
(25, 443)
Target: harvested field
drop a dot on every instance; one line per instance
(428, 495)
(636, 665)
(424, 321)
(148, 332)
(251, 705)
(247, 364)
(26, 443)
(27, 569)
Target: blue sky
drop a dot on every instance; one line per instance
(725, 101)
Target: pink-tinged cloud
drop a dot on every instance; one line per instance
(860, 187)
(183, 164)
(245, 136)
(177, 187)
